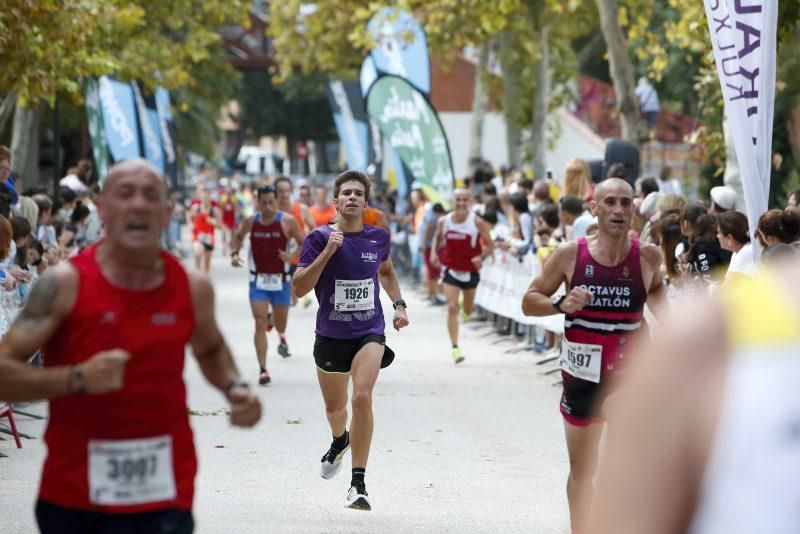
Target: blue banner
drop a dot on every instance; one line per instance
(400, 47)
(119, 118)
(153, 151)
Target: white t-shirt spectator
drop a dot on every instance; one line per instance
(580, 225)
(742, 262)
(73, 182)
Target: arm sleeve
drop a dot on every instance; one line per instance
(312, 246)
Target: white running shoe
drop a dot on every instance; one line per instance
(331, 462)
(357, 498)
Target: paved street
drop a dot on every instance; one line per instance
(475, 448)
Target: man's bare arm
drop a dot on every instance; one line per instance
(238, 238)
(437, 237)
(51, 299)
(656, 291)
(537, 301)
(483, 230)
(388, 279)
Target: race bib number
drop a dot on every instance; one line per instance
(461, 276)
(205, 238)
(581, 360)
(131, 471)
(269, 282)
(354, 295)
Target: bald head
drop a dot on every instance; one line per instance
(617, 185)
(138, 168)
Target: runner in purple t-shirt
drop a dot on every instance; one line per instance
(343, 263)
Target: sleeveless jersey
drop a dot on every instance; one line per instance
(750, 480)
(85, 432)
(461, 243)
(613, 316)
(229, 212)
(265, 242)
(202, 228)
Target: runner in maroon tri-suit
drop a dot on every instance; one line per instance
(608, 277)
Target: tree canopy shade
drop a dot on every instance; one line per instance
(48, 46)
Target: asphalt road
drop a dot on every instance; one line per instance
(473, 448)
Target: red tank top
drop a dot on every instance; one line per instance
(265, 242)
(461, 243)
(203, 229)
(154, 326)
(229, 213)
(615, 314)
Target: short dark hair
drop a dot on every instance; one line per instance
(265, 190)
(438, 208)
(734, 224)
(571, 204)
(648, 185)
(616, 170)
(351, 176)
(519, 201)
(43, 202)
(79, 213)
(65, 194)
(280, 179)
(20, 227)
(526, 183)
(549, 214)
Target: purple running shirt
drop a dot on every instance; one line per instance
(348, 290)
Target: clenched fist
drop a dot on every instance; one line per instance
(245, 407)
(104, 372)
(334, 242)
(577, 299)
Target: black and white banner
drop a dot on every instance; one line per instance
(743, 34)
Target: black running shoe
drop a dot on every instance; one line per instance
(357, 498)
(283, 350)
(332, 460)
(264, 378)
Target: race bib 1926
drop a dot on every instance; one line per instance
(581, 360)
(354, 295)
(131, 471)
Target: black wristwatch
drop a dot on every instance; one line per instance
(240, 382)
(399, 302)
(557, 303)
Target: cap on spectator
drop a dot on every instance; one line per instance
(649, 203)
(725, 197)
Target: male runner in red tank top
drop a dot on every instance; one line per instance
(270, 230)
(608, 277)
(113, 323)
(460, 245)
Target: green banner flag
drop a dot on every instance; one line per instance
(412, 127)
(97, 130)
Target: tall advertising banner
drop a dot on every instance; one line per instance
(743, 35)
(166, 126)
(400, 47)
(94, 115)
(351, 122)
(407, 120)
(153, 152)
(119, 119)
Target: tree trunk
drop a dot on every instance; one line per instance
(510, 102)
(633, 127)
(480, 101)
(25, 144)
(6, 109)
(538, 140)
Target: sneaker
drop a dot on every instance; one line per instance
(283, 350)
(264, 378)
(457, 357)
(357, 498)
(464, 316)
(332, 460)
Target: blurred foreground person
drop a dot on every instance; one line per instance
(705, 437)
(113, 324)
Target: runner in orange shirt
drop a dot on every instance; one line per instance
(322, 211)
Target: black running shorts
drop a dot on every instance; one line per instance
(336, 355)
(459, 279)
(53, 519)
